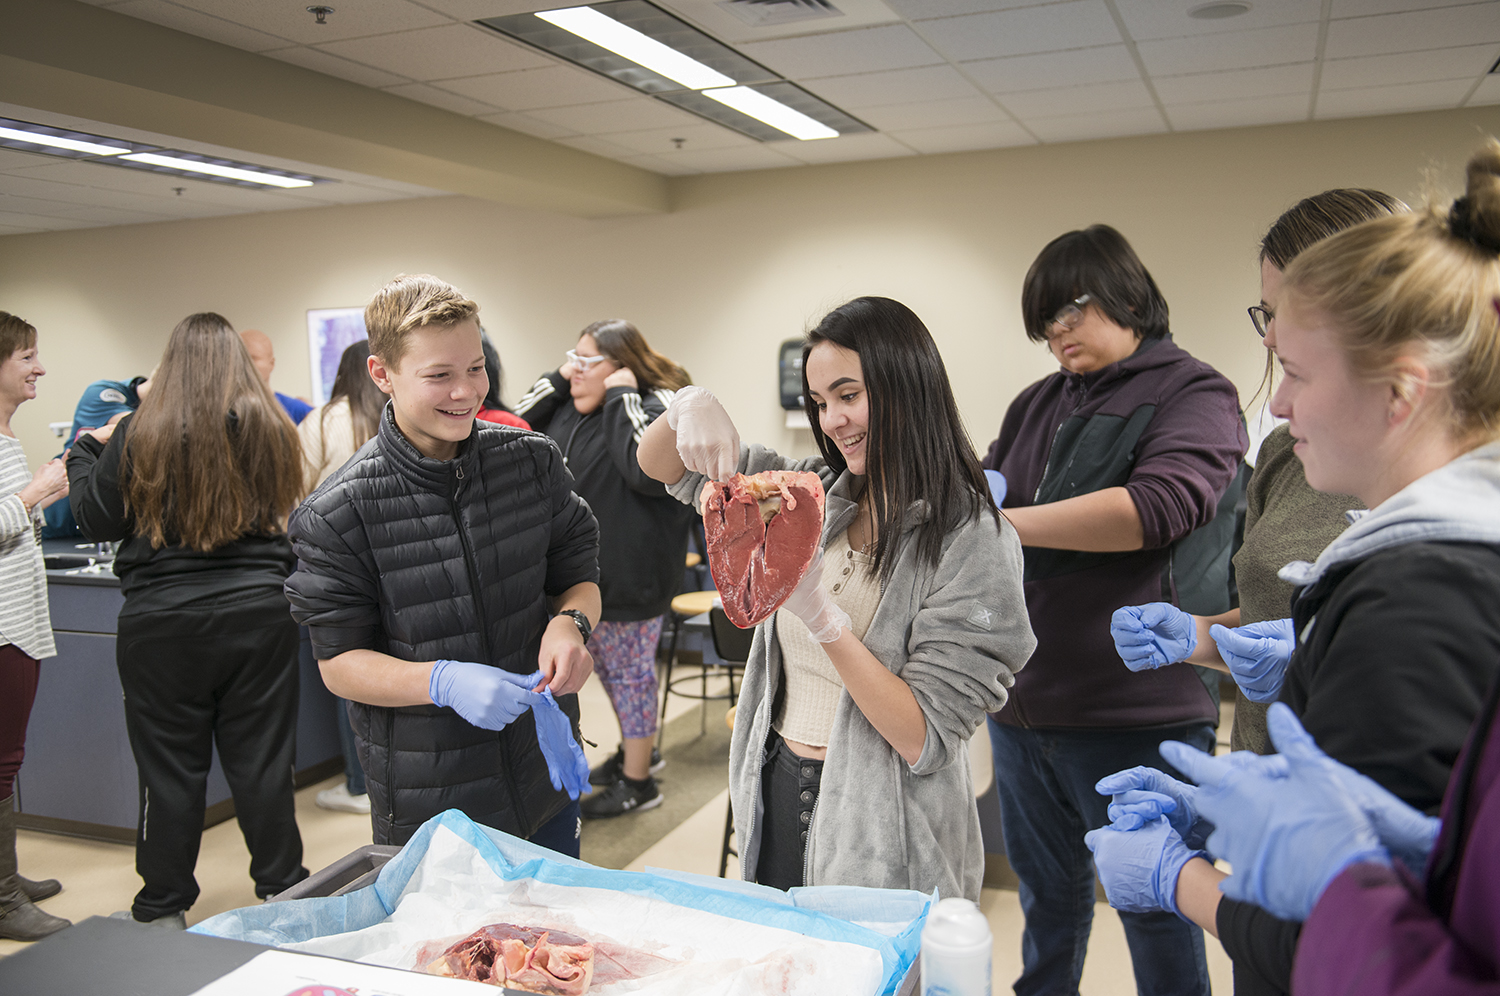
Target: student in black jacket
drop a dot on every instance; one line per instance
(448, 578)
(197, 485)
(597, 406)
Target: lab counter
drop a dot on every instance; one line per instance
(79, 776)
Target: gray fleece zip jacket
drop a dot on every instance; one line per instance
(956, 635)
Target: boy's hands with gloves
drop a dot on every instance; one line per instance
(707, 440)
(1153, 635)
(1140, 867)
(488, 697)
(811, 603)
(1141, 794)
(1257, 655)
(566, 765)
(1286, 835)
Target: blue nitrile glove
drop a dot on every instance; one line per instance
(1257, 655)
(997, 486)
(1139, 868)
(566, 765)
(1141, 794)
(1286, 836)
(1153, 635)
(489, 697)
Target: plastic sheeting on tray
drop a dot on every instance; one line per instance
(654, 931)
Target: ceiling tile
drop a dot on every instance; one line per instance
(848, 148)
(596, 146)
(1050, 69)
(552, 86)
(656, 164)
(1392, 99)
(528, 125)
(1488, 92)
(963, 138)
(1230, 50)
(39, 223)
(1077, 24)
(203, 25)
(860, 51)
(1355, 8)
(350, 19)
(1129, 94)
(114, 186)
(654, 141)
(1234, 84)
(116, 216)
(900, 86)
(332, 65)
(757, 156)
(1468, 62)
(1154, 19)
(431, 95)
(616, 115)
(713, 17)
(1105, 124)
(439, 53)
(933, 113)
(473, 10)
(922, 9)
(14, 159)
(1238, 113)
(1413, 31)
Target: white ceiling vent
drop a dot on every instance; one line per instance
(764, 13)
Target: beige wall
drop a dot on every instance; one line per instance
(741, 262)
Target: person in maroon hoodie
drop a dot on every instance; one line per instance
(1117, 466)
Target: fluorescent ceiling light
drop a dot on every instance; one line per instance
(773, 112)
(608, 33)
(71, 144)
(213, 169)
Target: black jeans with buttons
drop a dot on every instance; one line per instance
(789, 790)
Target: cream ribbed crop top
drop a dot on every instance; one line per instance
(813, 685)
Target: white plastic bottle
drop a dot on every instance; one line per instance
(956, 949)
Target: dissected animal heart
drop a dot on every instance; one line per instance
(763, 532)
(531, 960)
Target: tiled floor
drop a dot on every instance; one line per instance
(100, 878)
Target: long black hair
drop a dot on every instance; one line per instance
(917, 448)
(494, 372)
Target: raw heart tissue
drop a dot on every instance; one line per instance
(763, 532)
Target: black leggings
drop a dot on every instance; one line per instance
(227, 675)
(789, 789)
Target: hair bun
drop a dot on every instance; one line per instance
(1475, 217)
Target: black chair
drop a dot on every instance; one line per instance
(733, 645)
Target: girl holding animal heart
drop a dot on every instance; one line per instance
(849, 763)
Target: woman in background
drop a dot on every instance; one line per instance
(330, 436)
(197, 485)
(596, 406)
(492, 409)
(25, 626)
(849, 763)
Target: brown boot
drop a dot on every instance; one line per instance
(37, 891)
(19, 919)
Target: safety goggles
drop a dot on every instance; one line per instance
(1070, 314)
(585, 363)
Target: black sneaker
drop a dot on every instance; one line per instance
(624, 796)
(609, 771)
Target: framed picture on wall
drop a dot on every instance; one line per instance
(329, 332)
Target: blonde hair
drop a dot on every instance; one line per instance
(1430, 278)
(408, 303)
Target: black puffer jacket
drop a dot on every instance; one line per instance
(428, 559)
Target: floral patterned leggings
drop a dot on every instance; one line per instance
(625, 661)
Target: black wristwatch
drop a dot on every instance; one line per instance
(581, 620)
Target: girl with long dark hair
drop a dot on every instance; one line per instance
(597, 406)
(849, 763)
(197, 485)
(331, 434)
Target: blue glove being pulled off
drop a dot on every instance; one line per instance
(1141, 794)
(1139, 868)
(489, 697)
(1153, 635)
(1286, 834)
(1257, 656)
(566, 765)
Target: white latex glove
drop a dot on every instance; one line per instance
(707, 440)
(811, 603)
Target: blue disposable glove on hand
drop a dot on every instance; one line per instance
(1139, 868)
(1141, 794)
(1287, 836)
(1153, 635)
(489, 697)
(1257, 655)
(566, 765)
(998, 486)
